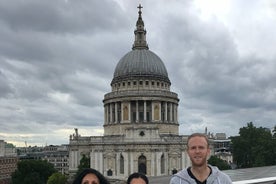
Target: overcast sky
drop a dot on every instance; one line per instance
(57, 60)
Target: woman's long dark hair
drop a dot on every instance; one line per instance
(101, 178)
(137, 175)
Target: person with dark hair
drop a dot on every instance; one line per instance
(90, 176)
(200, 172)
(137, 178)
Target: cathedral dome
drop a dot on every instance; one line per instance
(140, 63)
(140, 103)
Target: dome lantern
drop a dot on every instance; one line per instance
(140, 33)
(140, 63)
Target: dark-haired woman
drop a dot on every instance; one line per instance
(90, 176)
(137, 178)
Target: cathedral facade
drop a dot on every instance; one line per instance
(141, 129)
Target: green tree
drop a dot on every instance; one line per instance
(221, 164)
(57, 178)
(274, 132)
(253, 147)
(274, 145)
(84, 163)
(32, 171)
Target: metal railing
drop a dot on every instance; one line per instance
(259, 180)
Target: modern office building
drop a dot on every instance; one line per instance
(222, 147)
(55, 154)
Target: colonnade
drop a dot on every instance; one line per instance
(124, 163)
(140, 111)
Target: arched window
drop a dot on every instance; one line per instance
(162, 164)
(142, 164)
(122, 164)
(109, 172)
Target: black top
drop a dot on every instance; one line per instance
(197, 181)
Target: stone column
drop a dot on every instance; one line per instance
(131, 162)
(121, 112)
(129, 111)
(99, 162)
(126, 169)
(116, 112)
(166, 112)
(153, 164)
(176, 113)
(185, 160)
(171, 112)
(111, 113)
(91, 159)
(166, 157)
(152, 111)
(74, 158)
(137, 111)
(117, 164)
(108, 113)
(145, 110)
(159, 104)
(105, 114)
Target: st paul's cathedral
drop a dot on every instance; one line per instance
(141, 128)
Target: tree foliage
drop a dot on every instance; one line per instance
(57, 178)
(32, 171)
(254, 147)
(274, 132)
(221, 164)
(84, 163)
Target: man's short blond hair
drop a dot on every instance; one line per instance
(198, 135)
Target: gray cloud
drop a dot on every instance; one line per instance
(58, 58)
(61, 16)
